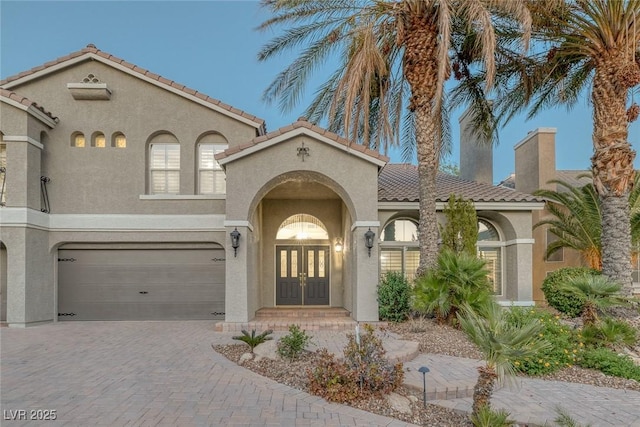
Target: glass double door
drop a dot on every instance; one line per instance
(302, 275)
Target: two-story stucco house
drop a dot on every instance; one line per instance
(126, 195)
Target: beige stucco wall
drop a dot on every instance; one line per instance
(110, 180)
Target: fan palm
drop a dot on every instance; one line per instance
(501, 342)
(589, 45)
(598, 293)
(392, 55)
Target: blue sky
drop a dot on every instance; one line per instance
(211, 46)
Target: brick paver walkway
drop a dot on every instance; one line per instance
(148, 374)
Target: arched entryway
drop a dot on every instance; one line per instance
(303, 259)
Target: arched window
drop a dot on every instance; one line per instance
(98, 140)
(490, 249)
(118, 140)
(211, 177)
(77, 139)
(399, 249)
(164, 165)
(302, 227)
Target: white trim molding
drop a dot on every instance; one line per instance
(520, 242)
(182, 196)
(363, 224)
(238, 223)
(27, 139)
(33, 111)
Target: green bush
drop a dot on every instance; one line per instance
(364, 372)
(294, 343)
(610, 363)
(393, 297)
(565, 348)
(253, 340)
(564, 302)
(457, 279)
(609, 333)
(487, 417)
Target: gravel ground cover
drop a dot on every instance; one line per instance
(432, 338)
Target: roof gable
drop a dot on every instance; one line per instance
(25, 104)
(92, 53)
(301, 127)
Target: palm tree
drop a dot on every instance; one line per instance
(590, 45)
(501, 342)
(577, 219)
(598, 293)
(392, 55)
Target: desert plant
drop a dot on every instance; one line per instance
(609, 333)
(294, 343)
(565, 420)
(565, 343)
(597, 292)
(566, 303)
(363, 372)
(457, 279)
(487, 417)
(501, 343)
(394, 294)
(253, 340)
(365, 355)
(610, 363)
(417, 324)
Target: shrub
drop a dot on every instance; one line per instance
(610, 363)
(393, 297)
(565, 345)
(293, 344)
(565, 302)
(364, 372)
(457, 279)
(609, 333)
(487, 417)
(253, 340)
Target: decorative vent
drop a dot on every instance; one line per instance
(91, 89)
(91, 78)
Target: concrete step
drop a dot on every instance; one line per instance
(302, 313)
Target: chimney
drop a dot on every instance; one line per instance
(476, 158)
(536, 160)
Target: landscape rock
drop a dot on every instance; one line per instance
(399, 403)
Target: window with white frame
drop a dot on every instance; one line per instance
(211, 177)
(490, 250)
(164, 168)
(399, 249)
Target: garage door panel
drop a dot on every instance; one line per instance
(141, 284)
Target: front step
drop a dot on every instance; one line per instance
(308, 319)
(302, 313)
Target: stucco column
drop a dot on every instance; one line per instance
(364, 291)
(30, 288)
(237, 273)
(519, 272)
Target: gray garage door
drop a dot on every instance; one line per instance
(140, 284)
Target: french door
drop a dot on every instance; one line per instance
(302, 275)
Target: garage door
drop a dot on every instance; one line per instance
(140, 284)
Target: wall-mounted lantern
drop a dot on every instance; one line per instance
(368, 240)
(235, 241)
(338, 246)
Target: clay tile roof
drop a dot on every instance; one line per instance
(303, 123)
(399, 183)
(575, 178)
(25, 101)
(91, 48)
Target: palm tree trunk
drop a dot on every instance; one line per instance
(421, 71)
(613, 172)
(484, 388)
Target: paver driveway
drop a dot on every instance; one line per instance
(147, 373)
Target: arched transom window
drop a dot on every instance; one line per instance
(490, 249)
(302, 227)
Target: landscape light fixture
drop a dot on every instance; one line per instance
(424, 371)
(235, 241)
(368, 240)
